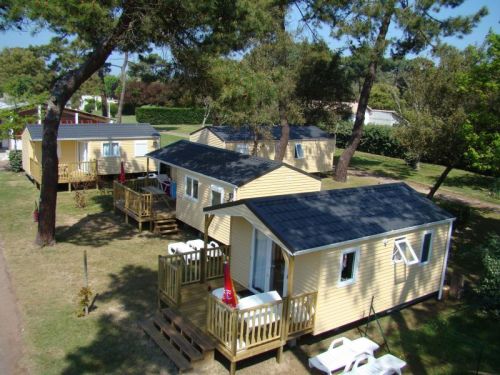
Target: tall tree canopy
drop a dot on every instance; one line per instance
(101, 27)
(365, 26)
(151, 68)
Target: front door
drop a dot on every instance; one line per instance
(268, 266)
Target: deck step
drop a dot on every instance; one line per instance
(189, 330)
(166, 226)
(177, 339)
(179, 360)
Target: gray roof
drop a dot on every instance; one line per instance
(224, 165)
(97, 131)
(312, 220)
(229, 133)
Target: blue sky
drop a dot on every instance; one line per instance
(25, 38)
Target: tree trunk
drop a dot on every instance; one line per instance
(122, 94)
(357, 130)
(61, 92)
(104, 98)
(439, 181)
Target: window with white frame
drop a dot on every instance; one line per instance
(299, 151)
(217, 195)
(110, 149)
(191, 187)
(403, 252)
(348, 266)
(425, 253)
(140, 148)
(243, 148)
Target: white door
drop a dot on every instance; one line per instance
(83, 155)
(261, 262)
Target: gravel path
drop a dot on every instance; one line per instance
(10, 324)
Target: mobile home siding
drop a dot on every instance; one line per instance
(191, 212)
(207, 138)
(27, 151)
(241, 249)
(391, 284)
(283, 180)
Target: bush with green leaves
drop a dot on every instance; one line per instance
(488, 290)
(16, 160)
(113, 109)
(171, 116)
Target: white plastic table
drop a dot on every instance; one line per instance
(199, 244)
(259, 317)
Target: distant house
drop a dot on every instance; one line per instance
(347, 246)
(376, 116)
(309, 148)
(206, 176)
(88, 150)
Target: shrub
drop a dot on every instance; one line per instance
(488, 290)
(113, 109)
(16, 160)
(89, 107)
(163, 115)
(376, 139)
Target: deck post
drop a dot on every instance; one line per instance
(290, 262)
(232, 368)
(203, 257)
(147, 167)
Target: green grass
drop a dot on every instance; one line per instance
(167, 139)
(178, 128)
(458, 181)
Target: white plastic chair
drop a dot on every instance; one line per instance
(342, 352)
(367, 364)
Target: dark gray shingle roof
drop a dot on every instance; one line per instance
(311, 220)
(224, 165)
(244, 133)
(97, 131)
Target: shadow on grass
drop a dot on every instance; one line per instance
(98, 230)
(119, 345)
(472, 181)
(379, 168)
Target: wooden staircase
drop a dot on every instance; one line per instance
(185, 344)
(166, 226)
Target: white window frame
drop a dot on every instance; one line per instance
(140, 143)
(299, 154)
(186, 194)
(431, 232)
(352, 280)
(245, 146)
(217, 189)
(397, 249)
(111, 144)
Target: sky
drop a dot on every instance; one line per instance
(491, 21)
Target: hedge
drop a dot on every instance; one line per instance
(16, 160)
(163, 115)
(376, 139)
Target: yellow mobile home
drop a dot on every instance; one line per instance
(88, 150)
(205, 176)
(309, 148)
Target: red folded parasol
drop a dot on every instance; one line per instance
(122, 178)
(229, 294)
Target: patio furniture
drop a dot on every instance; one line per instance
(199, 244)
(219, 292)
(366, 364)
(259, 317)
(341, 353)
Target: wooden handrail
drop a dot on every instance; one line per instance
(68, 172)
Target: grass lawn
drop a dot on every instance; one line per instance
(178, 128)
(458, 181)
(166, 139)
(433, 337)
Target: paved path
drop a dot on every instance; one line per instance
(10, 324)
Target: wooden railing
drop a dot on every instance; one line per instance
(139, 204)
(215, 262)
(139, 183)
(244, 329)
(238, 330)
(68, 172)
(169, 279)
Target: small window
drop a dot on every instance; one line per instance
(426, 247)
(242, 148)
(348, 266)
(403, 252)
(110, 149)
(217, 195)
(299, 151)
(191, 189)
(141, 148)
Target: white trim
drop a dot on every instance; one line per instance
(185, 194)
(296, 153)
(217, 189)
(431, 231)
(385, 234)
(193, 173)
(445, 262)
(355, 250)
(398, 249)
(111, 156)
